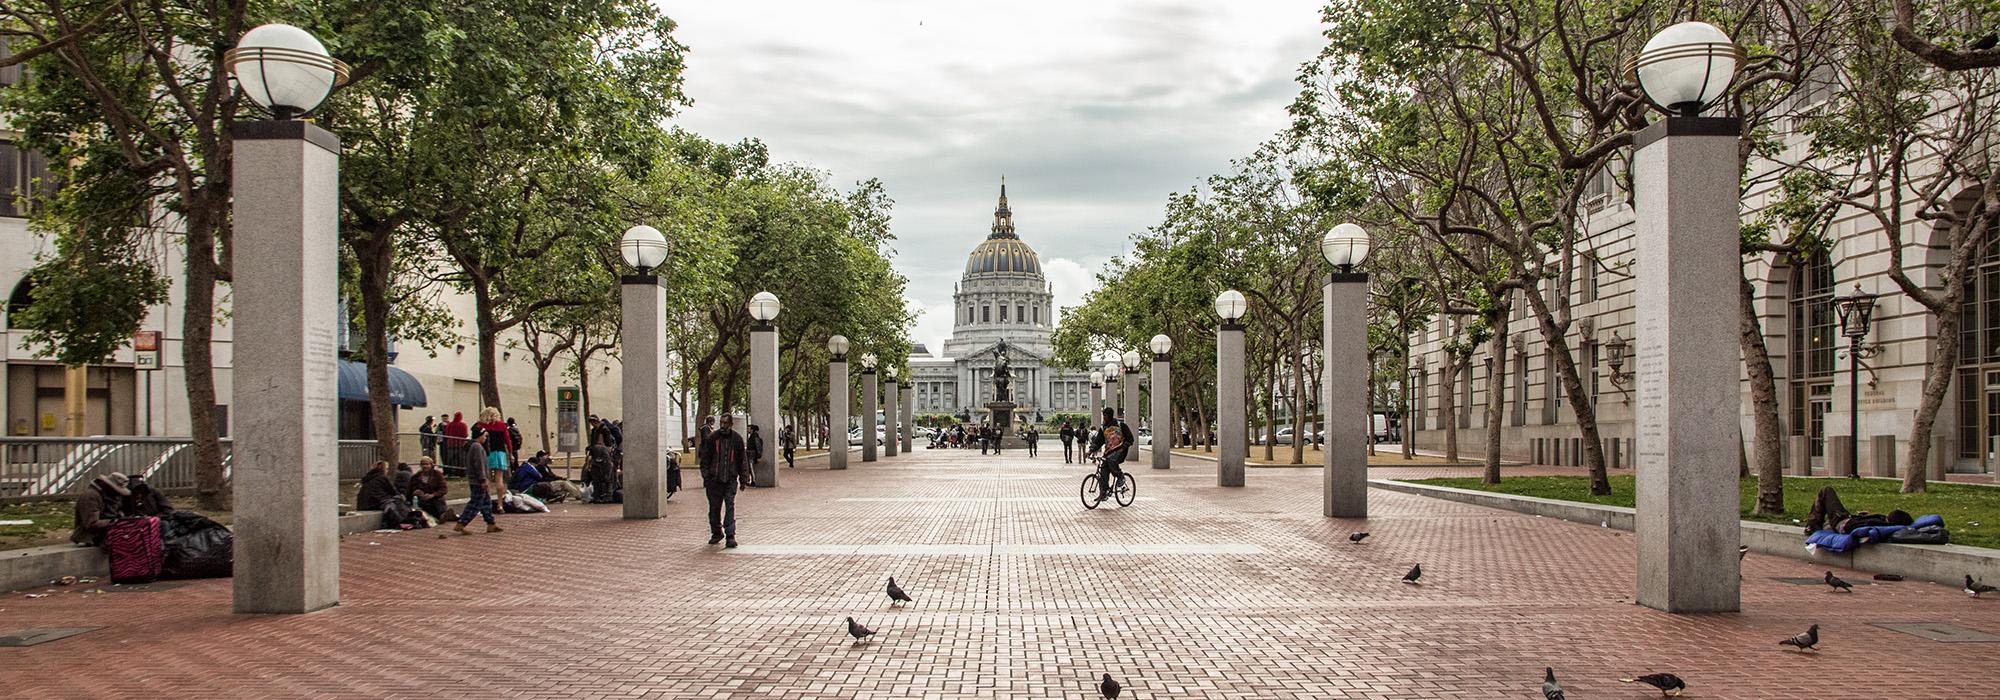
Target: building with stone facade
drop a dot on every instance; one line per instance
(1795, 301)
(1002, 295)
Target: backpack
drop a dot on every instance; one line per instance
(134, 546)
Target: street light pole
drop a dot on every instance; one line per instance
(1231, 450)
(837, 403)
(1687, 448)
(1854, 311)
(869, 399)
(1344, 401)
(643, 347)
(1163, 428)
(764, 309)
(286, 208)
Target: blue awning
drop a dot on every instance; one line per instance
(404, 390)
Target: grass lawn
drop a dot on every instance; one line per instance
(1385, 456)
(1960, 504)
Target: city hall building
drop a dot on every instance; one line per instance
(1002, 295)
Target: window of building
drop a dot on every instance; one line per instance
(969, 315)
(23, 174)
(18, 301)
(1590, 360)
(986, 314)
(1018, 315)
(1586, 278)
(1520, 388)
(1814, 338)
(1551, 388)
(1423, 399)
(1038, 314)
(1003, 313)
(1465, 398)
(1978, 377)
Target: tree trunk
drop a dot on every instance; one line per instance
(1371, 405)
(1937, 380)
(1496, 399)
(1448, 408)
(1270, 409)
(1586, 413)
(198, 360)
(375, 254)
(1299, 436)
(1767, 457)
(485, 327)
(542, 400)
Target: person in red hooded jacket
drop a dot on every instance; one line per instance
(455, 434)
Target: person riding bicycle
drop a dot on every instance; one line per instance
(1116, 440)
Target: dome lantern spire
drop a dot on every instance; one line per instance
(1003, 217)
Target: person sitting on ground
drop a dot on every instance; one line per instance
(428, 487)
(403, 475)
(377, 489)
(96, 506)
(531, 472)
(145, 499)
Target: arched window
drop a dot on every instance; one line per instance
(19, 300)
(1814, 336)
(1979, 361)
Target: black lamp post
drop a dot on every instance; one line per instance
(1617, 349)
(1854, 311)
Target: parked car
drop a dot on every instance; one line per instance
(1145, 437)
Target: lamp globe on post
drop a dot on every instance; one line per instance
(643, 247)
(1161, 344)
(764, 307)
(1131, 360)
(837, 346)
(868, 361)
(1687, 67)
(1096, 378)
(1344, 247)
(1113, 369)
(1230, 305)
(284, 69)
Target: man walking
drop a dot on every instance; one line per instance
(455, 434)
(479, 503)
(723, 462)
(753, 446)
(1034, 439)
(427, 437)
(1068, 435)
(789, 442)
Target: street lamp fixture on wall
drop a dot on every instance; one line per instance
(1617, 349)
(284, 69)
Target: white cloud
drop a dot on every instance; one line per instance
(1094, 111)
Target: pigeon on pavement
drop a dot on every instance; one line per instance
(1838, 584)
(1416, 572)
(1357, 537)
(1551, 690)
(1669, 684)
(896, 594)
(858, 631)
(1110, 688)
(1974, 588)
(1803, 640)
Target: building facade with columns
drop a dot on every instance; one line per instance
(1002, 296)
(1796, 302)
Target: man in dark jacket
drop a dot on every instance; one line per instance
(427, 437)
(754, 448)
(1068, 436)
(1114, 454)
(96, 506)
(479, 503)
(724, 461)
(377, 488)
(789, 442)
(428, 488)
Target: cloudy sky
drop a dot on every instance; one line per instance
(1094, 110)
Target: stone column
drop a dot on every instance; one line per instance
(287, 216)
(890, 417)
(909, 415)
(868, 404)
(1882, 454)
(643, 350)
(837, 405)
(1096, 404)
(764, 399)
(1840, 456)
(1229, 426)
(1163, 417)
(1130, 400)
(1798, 455)
(1343, 399)
(1687, 400)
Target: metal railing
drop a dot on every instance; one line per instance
(48, 466)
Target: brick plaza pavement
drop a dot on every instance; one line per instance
(1195, 591)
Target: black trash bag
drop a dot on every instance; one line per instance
(195, 547)
(395, 514)
(1928, 534)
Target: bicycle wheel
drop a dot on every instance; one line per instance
(1089, 492)
(1128, 490)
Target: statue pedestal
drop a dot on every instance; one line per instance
(1003, 418)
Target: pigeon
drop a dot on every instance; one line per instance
(1110, 688)
(1838, 584)
(1550, 688)
(1357, 537)
(858, 631)
(1416, 572)
(1985, 42)
(1804, 640)
(1669, 684)
(1974, 588)
(896, 594)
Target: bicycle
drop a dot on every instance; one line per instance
(1126, 490)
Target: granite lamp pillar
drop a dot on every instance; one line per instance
(764, 309)
(1096, 399)
(869, 400)
(1114, 380)
(643, 348)
(1231, 449)
(909, 404)
(1687, 250)
(837, 403)
(1163, 426)
(286, 208)
(1344, 386)
(890, 417)
(1129, 388)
